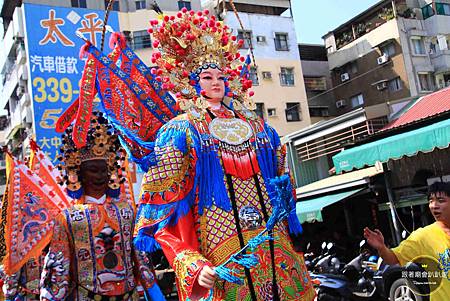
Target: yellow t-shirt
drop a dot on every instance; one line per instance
(428, 241)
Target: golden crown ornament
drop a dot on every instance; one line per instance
(189, 43)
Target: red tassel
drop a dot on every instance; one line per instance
(117, 38)
(237, 162)
(246, 165)
(225, 160)
(231, 168)
(254, 161)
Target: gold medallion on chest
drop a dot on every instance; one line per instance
(232, 131)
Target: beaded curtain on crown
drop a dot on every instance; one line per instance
(191, 42)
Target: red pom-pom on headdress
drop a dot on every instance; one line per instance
(84, 50)
(117, 38)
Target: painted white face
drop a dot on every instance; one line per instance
(212, 81)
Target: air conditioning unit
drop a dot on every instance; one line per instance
(271, 112)
(260, 39)
(340, 103)
(382, 86)
(382, 59)
(345, 77)
(267, 75)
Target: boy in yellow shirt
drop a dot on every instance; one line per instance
(432, 240)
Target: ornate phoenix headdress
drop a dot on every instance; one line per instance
(191, 42)
(102, 143)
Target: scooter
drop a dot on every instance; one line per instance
(353, 282)
(325, 262)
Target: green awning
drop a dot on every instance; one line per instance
(425, 139)
(407, 202)
(310, 211)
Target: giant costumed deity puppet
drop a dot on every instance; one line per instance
(217, 197)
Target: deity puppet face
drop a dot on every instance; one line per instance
(212, 81)
(94, 177)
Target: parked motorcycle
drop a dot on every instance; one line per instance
(325, 262)
(352, 282)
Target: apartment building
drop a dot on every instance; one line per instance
(316, 75)
(268, 28)
(390, 53)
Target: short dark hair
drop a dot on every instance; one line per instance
(443, 187)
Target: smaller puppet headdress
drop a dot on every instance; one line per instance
(102, 143)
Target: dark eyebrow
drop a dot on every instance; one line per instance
(437, 198)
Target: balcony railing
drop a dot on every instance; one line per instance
(11, 81)
(443, 85)
(361, 27)
(442, 9)
(333, 144)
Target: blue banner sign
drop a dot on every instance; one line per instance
(55, 66)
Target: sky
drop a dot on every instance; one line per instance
(314, 18)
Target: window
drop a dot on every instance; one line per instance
(443, 9)
(115, 5)
(292, 111)
(79, 3)
(318, 112)
(267, 75)
(141, 39)
(281, 42)
(357, 100)
(425, 82)
(246, 36)
(351, 68)
(432, 48)
(253, 75)
(287, 76)
(388, 49)
(395, 84)
(271, 112)
(315, 83)
(186, 4)
(140, 4)
(418, 46)
(442, 42)
(260, 109)
(427, 11)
